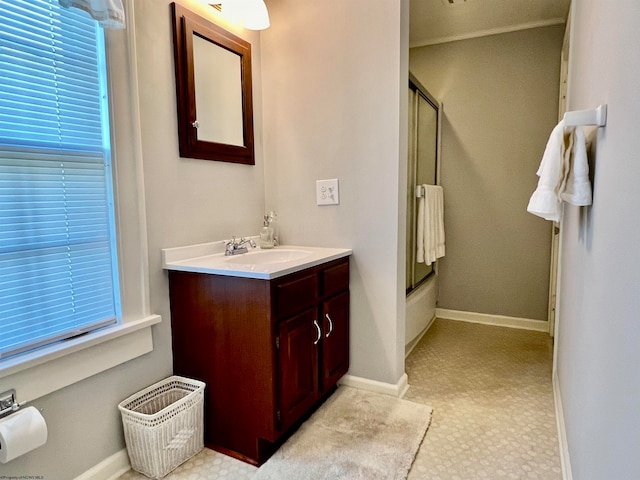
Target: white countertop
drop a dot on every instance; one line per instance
(257, 263)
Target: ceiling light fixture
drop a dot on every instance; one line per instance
(252, 14)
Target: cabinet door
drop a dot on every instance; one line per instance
(297, 358)
(335, 341)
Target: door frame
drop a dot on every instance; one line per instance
(555, 269)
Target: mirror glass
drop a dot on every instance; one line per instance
(218, 84)
(213, 90)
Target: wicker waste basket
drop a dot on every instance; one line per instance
(163, 425)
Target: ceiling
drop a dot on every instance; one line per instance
(437, 21)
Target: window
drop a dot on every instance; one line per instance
(58, 265)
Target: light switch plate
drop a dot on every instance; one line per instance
(327, 192)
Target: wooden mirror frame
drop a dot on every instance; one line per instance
(185, 25)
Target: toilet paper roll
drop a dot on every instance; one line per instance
(21, 432)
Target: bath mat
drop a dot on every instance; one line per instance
(355, 435)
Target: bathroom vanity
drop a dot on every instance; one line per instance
(268, 331)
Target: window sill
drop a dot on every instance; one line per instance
(46, 370)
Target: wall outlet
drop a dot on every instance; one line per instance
(327, 192)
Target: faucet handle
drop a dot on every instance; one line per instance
(229, 246)
(234, 246)
(247, 240)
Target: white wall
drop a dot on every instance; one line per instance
(187, 201)
(335, 103)
(599, 312)
(335, 83)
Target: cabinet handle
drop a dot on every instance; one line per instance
(330, 325)
(315, 322)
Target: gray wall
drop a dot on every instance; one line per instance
(599, 313)
(500, 101)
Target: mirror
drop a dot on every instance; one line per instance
(213, 90)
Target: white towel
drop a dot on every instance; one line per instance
(577, 190)
(420, 228)
(553, 172)
(563, 172)
(430, 225)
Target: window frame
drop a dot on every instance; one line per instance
(62, 269)
(45, 370)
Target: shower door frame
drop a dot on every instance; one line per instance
(415, 85)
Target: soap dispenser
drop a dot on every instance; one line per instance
(273, 223)
(266, 234)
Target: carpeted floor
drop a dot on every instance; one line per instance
(490, 388)
(493, 416)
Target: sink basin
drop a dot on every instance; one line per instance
(209, 258)
(268, 257)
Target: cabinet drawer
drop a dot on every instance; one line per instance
(295, 295)
(334, 279)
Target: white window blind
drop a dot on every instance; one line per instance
(58, 266)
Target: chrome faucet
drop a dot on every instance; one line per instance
(235, 247)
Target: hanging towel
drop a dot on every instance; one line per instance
(420, 227)
(553, 172)
(430, 225)
(577, 190)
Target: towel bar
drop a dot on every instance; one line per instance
(420, 190)
(596, 116)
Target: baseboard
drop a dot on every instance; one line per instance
(109, 469)
(397, 390)
(411, 345)
(565, 463)
(495, 320)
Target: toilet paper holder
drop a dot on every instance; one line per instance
(9, 402)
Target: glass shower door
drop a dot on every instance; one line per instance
(422, 169)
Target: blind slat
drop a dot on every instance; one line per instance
(57, 238)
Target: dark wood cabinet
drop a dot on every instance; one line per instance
(268, 350)
(335, 346)
(297, 367)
